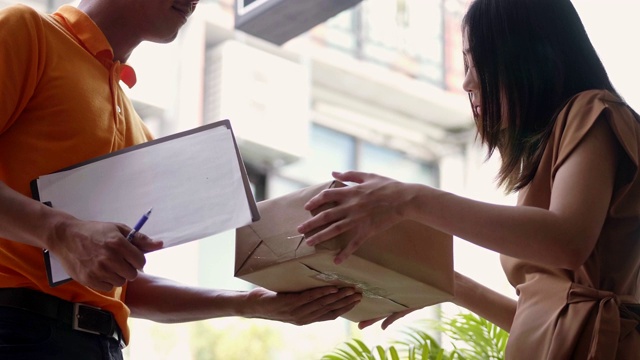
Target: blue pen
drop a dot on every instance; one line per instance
(138, 226)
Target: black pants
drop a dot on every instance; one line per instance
(28, 336)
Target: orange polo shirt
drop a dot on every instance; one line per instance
(60, 104)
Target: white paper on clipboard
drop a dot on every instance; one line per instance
(195, 181)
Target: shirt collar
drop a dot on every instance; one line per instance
(92, 39)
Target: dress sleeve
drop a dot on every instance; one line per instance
(581, 113)
(20, 60)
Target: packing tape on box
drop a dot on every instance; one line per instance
(366, 289)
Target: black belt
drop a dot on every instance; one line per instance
(78, 316)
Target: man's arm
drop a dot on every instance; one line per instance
(20, 214)
(162, 300)
(96, 254)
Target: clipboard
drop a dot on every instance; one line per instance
(195, 181)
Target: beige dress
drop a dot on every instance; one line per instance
(581, 314)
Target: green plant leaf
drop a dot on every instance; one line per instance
(356, 349)
(365, 349)
(394, 353)
(474, 338)
(382, 354)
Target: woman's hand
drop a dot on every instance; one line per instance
(387, 321)
(372, 205)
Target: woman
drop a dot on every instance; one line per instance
(569, 146)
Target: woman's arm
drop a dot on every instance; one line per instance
(562, 236)
(469, 294)
(489, 304)
(166, 301)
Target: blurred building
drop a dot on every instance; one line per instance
(375, 88)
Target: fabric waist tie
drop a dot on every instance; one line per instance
(604, 340)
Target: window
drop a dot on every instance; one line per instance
(331, 150)
(404, 35)
(397, 165)
(410, 42)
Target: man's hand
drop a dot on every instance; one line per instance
(98, 255)
(301, 308)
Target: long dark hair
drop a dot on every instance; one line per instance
(531, 57)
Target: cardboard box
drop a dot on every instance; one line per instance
(408, 266)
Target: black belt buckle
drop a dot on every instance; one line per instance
(96, 321)
(92, 320)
